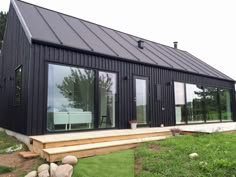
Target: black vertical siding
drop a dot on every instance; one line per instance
(30, 117)
(161, 111)
(15, 52)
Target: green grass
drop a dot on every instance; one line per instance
(116, 164)
(6, 142)
(170, 157)
(4, 169)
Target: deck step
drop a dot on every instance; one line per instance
(56, 154)
(71, 139)
(28, 154)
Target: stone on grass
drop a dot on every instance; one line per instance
(71, 160)
(32, 174)
(193, 155)
(53, 168)
(43, 167)
(44, 173)
(64, 171)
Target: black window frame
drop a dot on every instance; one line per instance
(204, 103)
(96, 99)
(17, 101)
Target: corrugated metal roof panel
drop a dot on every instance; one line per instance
(131, 48)
(110, 41)
(37, 26)
(62, 30)
(91, 38)
(57, 28)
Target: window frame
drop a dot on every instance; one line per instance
(204, 102)
(18, 103)
(96, 99)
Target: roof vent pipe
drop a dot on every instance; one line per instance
(176, 45)
(141, 44)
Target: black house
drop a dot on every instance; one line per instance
(59, 73)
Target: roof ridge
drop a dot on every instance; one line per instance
(97, 24)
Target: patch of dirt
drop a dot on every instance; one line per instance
(137, 165)
(154, 147)
(20, 164)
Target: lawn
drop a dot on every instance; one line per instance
(166, 158)
(170, 157)
(6, 142)
(116, 164)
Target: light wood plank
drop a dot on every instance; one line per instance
(103, 139)
(88, 153)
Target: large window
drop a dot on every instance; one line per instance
(179, 102)
(195, 104)
(18, 85)
(70, 98)
(212, 104)
(225, 105)
(141, 100)
(107, 91)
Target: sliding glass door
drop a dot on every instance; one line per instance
(107, 99)
(141, 100)
(80, 98)
(70, 98)
(196, 104)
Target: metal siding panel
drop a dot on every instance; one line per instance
(14, 53)
(125, 87)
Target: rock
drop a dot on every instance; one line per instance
(14, 148)
(43, 167)
(64, 171)
(71, 160)
(53, 168)
(32, 174)
(193, 155)
(44, 173)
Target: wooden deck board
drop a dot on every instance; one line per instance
(100, 145)
(86, 150)
(54, 147)
(94, 134)
(227, 126)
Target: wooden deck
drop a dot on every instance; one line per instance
(83, 144)
(54, 147)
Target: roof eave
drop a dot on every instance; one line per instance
(42, 42)
(22, 21)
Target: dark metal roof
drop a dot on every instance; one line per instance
(53, 27)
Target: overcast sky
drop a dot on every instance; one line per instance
(205, 28)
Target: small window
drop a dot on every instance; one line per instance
(18, 86)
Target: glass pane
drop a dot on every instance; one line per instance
(195, 97)
(18, 89)
(225, 105)
(179, 102)
(211, 102)
(141, 101)
(180, 114)
(70, 98)
(107, 90)
(179, 93)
